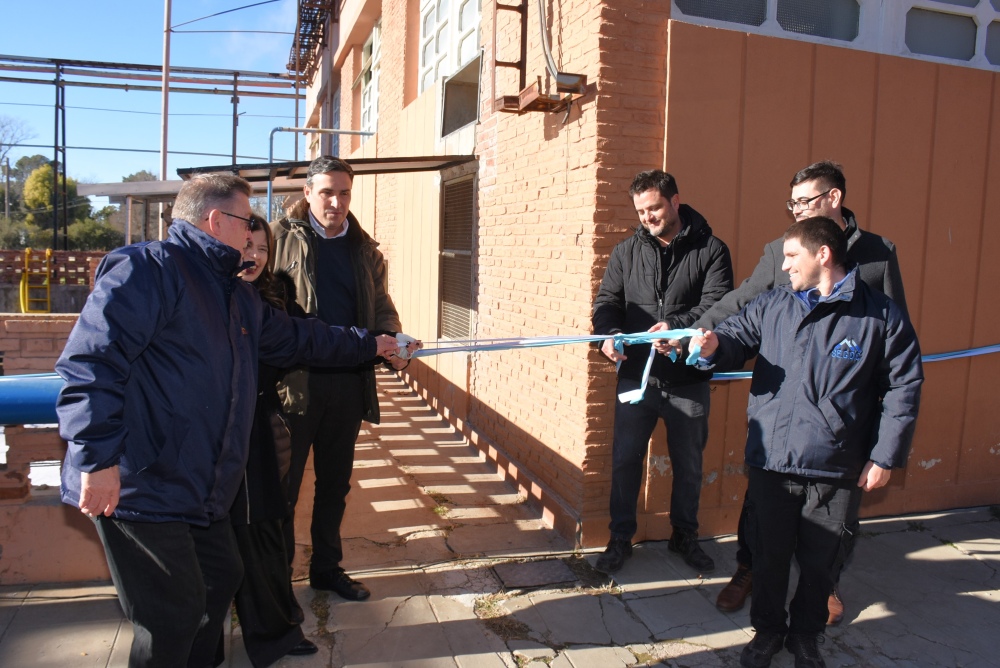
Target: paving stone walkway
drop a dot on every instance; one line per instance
(464, 574)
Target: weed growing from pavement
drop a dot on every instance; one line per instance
(490, 610)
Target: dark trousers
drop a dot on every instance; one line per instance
(684, 410)
(175, 582)
(745, 557)
(801, 517)
(330, 427)
(270, 616)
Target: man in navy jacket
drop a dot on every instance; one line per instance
(833, 404)
(160, 384)
(817, 190)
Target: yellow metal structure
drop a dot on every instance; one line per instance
(36, 292)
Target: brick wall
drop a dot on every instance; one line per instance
(68, 267)
(31, 343)
(552, 205)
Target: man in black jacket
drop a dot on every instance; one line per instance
(817, 190)
(833, 405)
(671, 271)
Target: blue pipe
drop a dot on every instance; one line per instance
(29, 399)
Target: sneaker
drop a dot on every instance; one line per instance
(805, 647)
(760, 650)
(686, 544)
(734, 595)
(614, 556)
(834, 608)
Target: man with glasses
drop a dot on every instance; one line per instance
(160, 386)
(817, 190)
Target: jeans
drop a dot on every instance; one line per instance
(806, 518)
(684, 411)
(175, 583)
(330, 427)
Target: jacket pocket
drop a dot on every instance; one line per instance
(833, 418)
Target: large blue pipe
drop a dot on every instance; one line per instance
(29, 399)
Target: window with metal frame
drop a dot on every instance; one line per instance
(457, 230)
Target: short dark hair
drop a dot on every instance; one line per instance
(818, 231)
(654, 179)
(830, 174)
(326, 164)
(205, 192)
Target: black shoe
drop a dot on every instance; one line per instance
(614, 556)
(805, 647)
(304, 648)
(686, 544)
(340, 582)
(762, 648)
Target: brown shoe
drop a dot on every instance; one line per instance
(835, 607)
(734, 595)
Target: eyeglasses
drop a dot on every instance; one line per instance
(803, 202)
(249, 221)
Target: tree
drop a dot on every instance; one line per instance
(26, 165)
(13, 131)
(16, 235)
(37, 198)
(91, 234)
(141, 175)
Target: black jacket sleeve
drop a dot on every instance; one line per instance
(609, 305)
(760, 281)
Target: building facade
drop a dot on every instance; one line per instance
(562, 103)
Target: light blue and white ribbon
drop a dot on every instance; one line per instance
(620, 341)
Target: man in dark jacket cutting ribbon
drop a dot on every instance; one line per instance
(833, 404)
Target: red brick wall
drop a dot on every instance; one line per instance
(553, 203)
(31, 343)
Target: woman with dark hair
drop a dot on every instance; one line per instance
(269, 615)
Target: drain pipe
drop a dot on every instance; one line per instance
(270, 150)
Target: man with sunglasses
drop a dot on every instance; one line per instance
(817, 190)
(160, 377)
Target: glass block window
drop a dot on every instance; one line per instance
(370, 70)
(943, 35)
(833, 19)
(993, 42)
(449, 37)
(746, 12)
(960, 31)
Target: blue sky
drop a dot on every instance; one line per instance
(132, 32)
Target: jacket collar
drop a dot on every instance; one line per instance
(221, 258)
(851, 229)
(844, 293)
(355, 233)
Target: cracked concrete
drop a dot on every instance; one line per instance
(428, 522)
